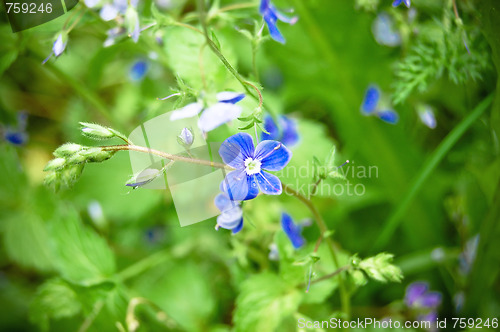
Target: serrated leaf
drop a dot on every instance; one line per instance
(264, 301)
(81, 256)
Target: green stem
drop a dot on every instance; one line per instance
(327, 276)
(143, 265)
(426, 170)
(344, 295)
(165, 155)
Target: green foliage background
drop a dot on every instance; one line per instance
(436, 189)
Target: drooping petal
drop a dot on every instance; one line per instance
(230, 218)
(289, 136)
(384, 31)
(239, 186)
(264, 6)
(398, 2)
(431, 299)
(222, 202)
(282, 17)
(269, 184)
(370, 102)
(187, 111)
(108, 12)
(388, 116)
(273, 155)
(230, 97)
(414, 292)
(271, 19)
(238, 228)
(272, 129)
(217, 115)
(59, 45)
(292, 230)
(236, 149)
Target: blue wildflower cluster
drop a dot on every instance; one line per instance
(422, 301)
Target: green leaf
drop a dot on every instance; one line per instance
(264, 301)
(54, 299)
(81, 256)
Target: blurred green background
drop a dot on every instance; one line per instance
(74, 260)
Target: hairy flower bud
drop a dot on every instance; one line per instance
(67, 150)
(96, 131)
(97, 155)
(55, 164)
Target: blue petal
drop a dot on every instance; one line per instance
(269, 184)
(388, 116)
(16, 137)
(271, 19)
(431, 299)
(239, 186)
(371, 99)
(108, 12)
(239, 227)
(231, 218)
(138, 70)
(414, 292)
(273, 155)
(59, 45)
(282, 17)
(230, 97)
(290, 135)
(384, 31)
(217, 115)
(292, 230)
(222, 202)
(396, 3)
(271, 127)
(236, 149)
(187, 111)
(264, 6)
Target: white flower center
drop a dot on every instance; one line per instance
(252, 166)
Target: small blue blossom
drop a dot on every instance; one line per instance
(111, 10)
(271, 15)
(398, 2)
(138, 70)
(285, 131)
(17, 135)
(243, 183)
(223, 111)
(231, 216)
(58, 47)
(418, 296)
(370, 106)
(186, 137)
(384, 32)
(427, 116)
(292, 230)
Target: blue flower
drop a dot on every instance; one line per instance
(427, 116)
(384, 31)
(418, 296)
(271, 15)
(58, 47)
(18, 135)
(285, 132)
(138, 70)
(111, 10)
(370, 106)
(243, 183)
(232, 214)
(292, 230)
(223, 111)
(398, 2)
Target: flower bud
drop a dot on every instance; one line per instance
(71, 173)
(55, 164)
(380, 268)
(97, 155)
(67, 150)
(76, 158)
(186, 137)
(96, 131)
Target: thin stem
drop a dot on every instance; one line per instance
(327, 276)
(90, 318)
(444, 147)
(215, 50)
(143, 265)
(344, 295)
(184, 25)
(243, 5)
(165, 155)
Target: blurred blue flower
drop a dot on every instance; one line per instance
(111, 10)
(384, 32)
(138, 70)
(238, 151)
(271, 15)
(223, 111)
(418, 296)
(186, 137)
(232, 214)
(292, 230)
(285, 131)
(398, 2)
(370, 106)
(17, 135)
(58, 47)
(427, 116)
